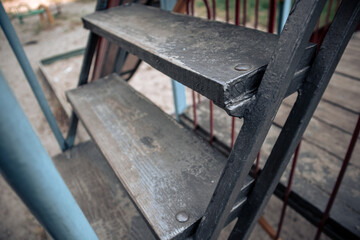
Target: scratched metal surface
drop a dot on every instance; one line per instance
(198, 53)
(100, 194)
(165, 168)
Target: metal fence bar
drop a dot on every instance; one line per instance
(30, 75)
(237, 12)
(213, 9)
(339, 178)
(272, 16)
(30, 171)
(288, 190)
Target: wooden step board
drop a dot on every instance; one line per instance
(221, 61)
(100, 194)
(167, 170)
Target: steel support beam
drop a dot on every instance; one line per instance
(29, 170)
(30, 75)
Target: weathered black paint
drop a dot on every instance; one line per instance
(201, 54)
(310, 94)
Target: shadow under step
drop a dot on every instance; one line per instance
(223, 62)
(168, 171)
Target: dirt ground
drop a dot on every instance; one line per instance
(40, 42)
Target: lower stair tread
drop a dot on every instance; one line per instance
(166, 169)
(100, 194)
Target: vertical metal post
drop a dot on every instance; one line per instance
(288, 190)
(237, 12)
(177, 88)
(30, 75)
(272, 16)
(28, 168)
(84, 74)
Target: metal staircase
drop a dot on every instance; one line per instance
(179, 184)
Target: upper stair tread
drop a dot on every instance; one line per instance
(165, 168)
(198, 53)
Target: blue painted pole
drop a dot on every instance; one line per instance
(178, 89)
(27, 167)
(30, 75)
(284, 10)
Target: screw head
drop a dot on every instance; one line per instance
(243, 67)
(182, 216)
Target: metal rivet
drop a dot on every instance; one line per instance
(243, 67)
(182, 216)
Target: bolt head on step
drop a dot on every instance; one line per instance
(182, 216)
(243, 67)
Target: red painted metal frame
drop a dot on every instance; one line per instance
(272, 16)
(244, 12)
(288, 190)
(237, 12)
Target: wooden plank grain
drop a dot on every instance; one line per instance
(344, 92)
(165, 168)
(349, 63)
(325, 136)
(100, 194)
(314, 179)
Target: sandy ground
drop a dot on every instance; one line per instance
(40, 42)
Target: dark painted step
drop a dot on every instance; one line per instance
(201, 54)
(168, 171)
(100, 194)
